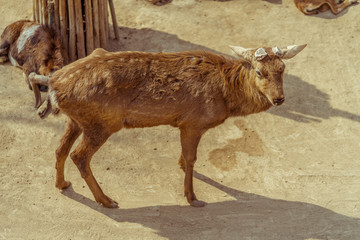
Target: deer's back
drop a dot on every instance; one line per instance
(142, 89)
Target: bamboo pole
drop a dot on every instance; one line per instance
(80, 44)
(34, 11)
(56, 15)
(51, 14)
(103, 37)
(89, 27)
(63, 25)
(95, 5)
(44, 12)
(113, 16)
(72, 31)
(41, 12)
(106, 12)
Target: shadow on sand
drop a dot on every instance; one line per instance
(304, 103)
(248, 216)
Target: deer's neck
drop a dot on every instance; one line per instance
(241, 94)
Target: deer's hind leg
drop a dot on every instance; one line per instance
(93, 138)
(35, 80)
(72, 132)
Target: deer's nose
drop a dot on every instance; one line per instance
(279, 101)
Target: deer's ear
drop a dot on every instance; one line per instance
(291, 51)
(241, 52)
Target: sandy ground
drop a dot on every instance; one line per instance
(292, 172)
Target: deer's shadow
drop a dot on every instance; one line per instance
(248, 216)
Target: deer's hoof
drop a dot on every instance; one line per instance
(109, 203)
(63, 185)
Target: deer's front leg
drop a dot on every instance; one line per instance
(189, 143)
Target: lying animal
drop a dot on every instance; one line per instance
(193, 91)
(34, 48)
(310, 7)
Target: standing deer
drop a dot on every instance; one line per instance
(310, 7)
(193, 91)
(34, 48)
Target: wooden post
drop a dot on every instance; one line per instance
(63, 26)
(95, 5)
(56, 15)
(83, 25)
(80, 44)
(34, 11)
(106, 12)
(103, 37)
(113, 16)
(72, 31)
(44, 12)
(89, 27)
(51, 13)
(41, 12)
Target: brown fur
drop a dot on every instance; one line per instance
(193, 91)
(42, 51)
(310, 7)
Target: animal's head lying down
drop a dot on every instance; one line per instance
(268, 68)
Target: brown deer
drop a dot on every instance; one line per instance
(310, 7)
(193, 91)
(35, 49)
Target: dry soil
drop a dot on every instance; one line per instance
(292, 172)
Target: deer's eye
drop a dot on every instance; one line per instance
(258, 73)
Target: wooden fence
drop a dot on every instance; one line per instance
(82, 24)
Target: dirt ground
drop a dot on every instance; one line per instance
(292, 172)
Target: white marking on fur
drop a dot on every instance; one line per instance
(25, 35)
(13, 61)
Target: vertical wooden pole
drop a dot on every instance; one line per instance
(40, 12)
(34, 10)
(45, 14)
(56, 15)
(95, 5)
(89, 27)
(103, 37)
(37, 11)
(80, 44)
(107, 30)
(51, 14)
(114, 20)
(72, 30)
(64, 26)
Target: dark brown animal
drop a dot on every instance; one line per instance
(310, 7)
(34, 48)
(193, 91)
